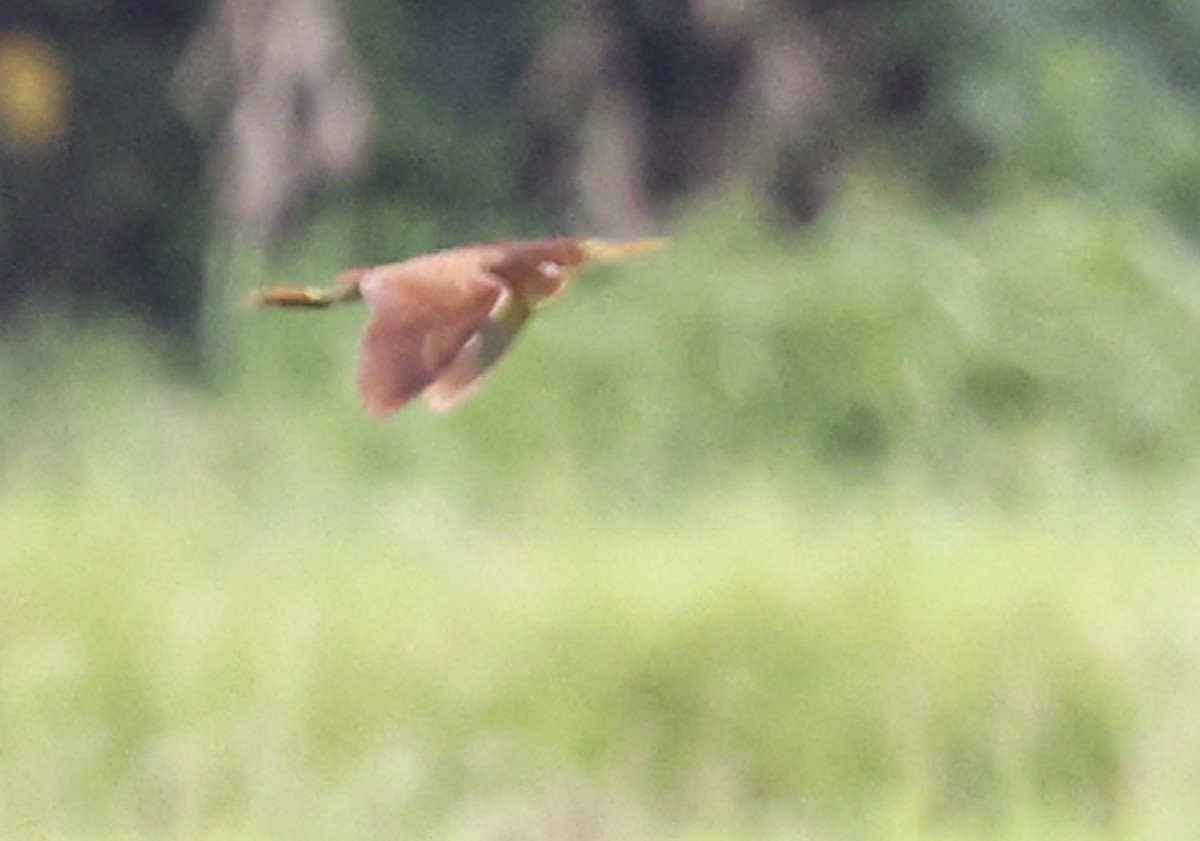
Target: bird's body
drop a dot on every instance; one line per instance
(440, 321)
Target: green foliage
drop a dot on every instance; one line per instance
(1095, 95)
(445, 78)
(184, 659)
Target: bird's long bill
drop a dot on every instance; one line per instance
(604, 251)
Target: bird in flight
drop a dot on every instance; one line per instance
(440, 321)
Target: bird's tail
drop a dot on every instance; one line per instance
(344, 289)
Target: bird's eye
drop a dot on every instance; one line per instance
(550, 269)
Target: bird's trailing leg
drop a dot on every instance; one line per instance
(344, 289)
(293, 296)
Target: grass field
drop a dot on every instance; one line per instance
(885, 533)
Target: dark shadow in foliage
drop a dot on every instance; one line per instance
(858, 436)
(1002, 394)
(104, 216)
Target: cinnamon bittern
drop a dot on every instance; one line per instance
(440, 321)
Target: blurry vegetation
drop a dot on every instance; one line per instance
(877, 527)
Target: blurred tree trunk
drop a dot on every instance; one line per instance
(632, 105)
(277, 79)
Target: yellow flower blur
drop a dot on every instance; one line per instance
(35, 92)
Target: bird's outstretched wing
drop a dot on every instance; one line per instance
(462, 379)
(419, 326)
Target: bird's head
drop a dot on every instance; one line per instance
(539, 270)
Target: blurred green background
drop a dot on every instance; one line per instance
(867, 511)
